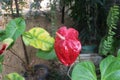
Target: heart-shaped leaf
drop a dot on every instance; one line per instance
(15, 28)
(38, 38)
(14, 76)
(47, 55)
(110, 68)
(84, 71)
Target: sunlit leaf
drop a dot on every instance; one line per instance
(38, 38)
(8, 41)
(14, 76)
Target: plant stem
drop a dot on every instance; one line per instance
(8, 65)
(79, 58)
(17, 56)
(25, 52)
(68, 73)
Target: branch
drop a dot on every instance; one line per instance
(8, 65)
(17, 56)
(68, 73)
(25, 52)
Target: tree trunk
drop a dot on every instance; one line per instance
(63, 4)
(63, 14)
(17, 7)
(11, 8)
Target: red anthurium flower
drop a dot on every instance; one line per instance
(67, 46)
(4, 46)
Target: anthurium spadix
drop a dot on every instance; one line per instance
(67, 46)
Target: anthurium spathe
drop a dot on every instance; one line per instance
(5, 44)
(67, 46)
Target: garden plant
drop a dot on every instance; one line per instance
(66, 46)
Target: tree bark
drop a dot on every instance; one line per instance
(63, 11)
(63, 14)
(11, 8)
(17, 7)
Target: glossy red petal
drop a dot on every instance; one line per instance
(4, 46)
(1, 51)
(67, 46)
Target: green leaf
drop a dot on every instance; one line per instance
(84, 71)
(110, 68)
(106, 45)
(9, 42)
(105, 64)
(14, 76)
(1, 61)
(38, 38)
(2, 35)
(1, 58)
(118, 53)
(47, 55)
(1, 67)
(15, 28)
(114, 76)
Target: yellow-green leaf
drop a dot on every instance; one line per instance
(38, 38)
(14, 76)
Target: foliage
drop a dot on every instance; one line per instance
(35, 5)
(85, 14)
(1, 61)
(86, 71)
(53, 16)
(41, 39)
(6, 4)
(2, 35)
(38, 38)
(106, 45)
(13, 76)
(109, 68)
(47, 55)
(14, 29)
